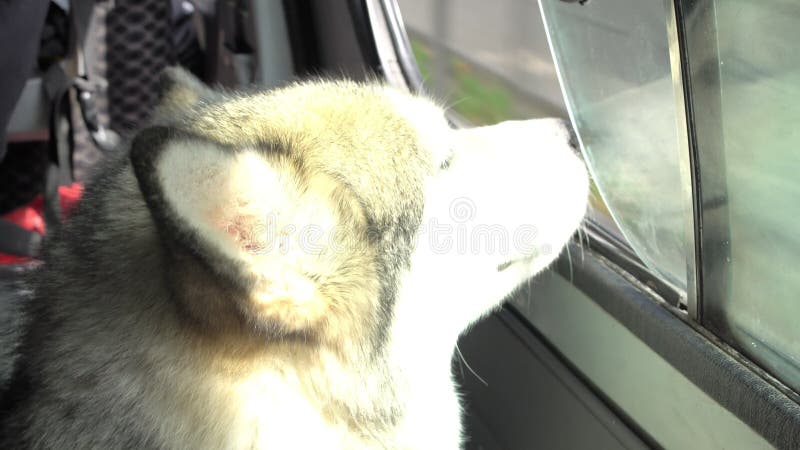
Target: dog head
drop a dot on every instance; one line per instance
(328, 212)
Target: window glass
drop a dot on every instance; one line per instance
(615, 70)
(746, 74)
(502, 72)
(489, 62)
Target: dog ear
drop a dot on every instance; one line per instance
(221, 213)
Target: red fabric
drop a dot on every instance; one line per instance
(31, 216)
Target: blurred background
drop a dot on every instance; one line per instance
(487, 61)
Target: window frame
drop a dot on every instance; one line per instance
(703, 149)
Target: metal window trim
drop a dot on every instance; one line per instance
(703, 157)
(687, 160)
(402, 45)
(694, 19)
(394, 50)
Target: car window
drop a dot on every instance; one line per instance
(749, 84)
(615, 70)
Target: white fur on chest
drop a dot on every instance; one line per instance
(267, 412)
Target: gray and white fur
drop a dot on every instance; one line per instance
(272, 270)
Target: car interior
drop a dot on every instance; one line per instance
(670, 320)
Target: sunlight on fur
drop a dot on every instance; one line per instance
(286, 269)
(255, 211)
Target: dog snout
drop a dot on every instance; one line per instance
(572, 138)
(563, 129)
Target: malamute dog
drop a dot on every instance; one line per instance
(285, 270)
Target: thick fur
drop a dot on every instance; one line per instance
(272, 270)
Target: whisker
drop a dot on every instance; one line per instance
(529, 294)
(460, 363)
(569, 262)
(448, 106)
(588, 237)
(470, 368)
(583, 240)
(531, 283)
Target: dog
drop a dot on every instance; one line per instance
(285, 269)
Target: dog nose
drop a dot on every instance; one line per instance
(574, 143)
